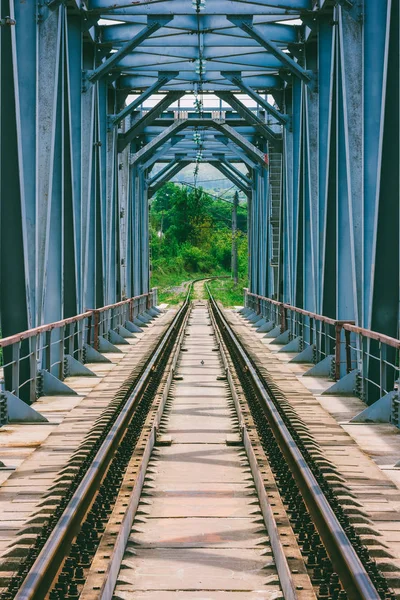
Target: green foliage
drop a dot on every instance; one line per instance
(227, 292)
(190, 235)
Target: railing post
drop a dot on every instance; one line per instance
(33, 368)
(61, 344)
(96, 323)
(283, 316)
(89, 330)
(71, 340)
(338, 335)
(347, 335)
(15, 368)
(47, 354)
(382, 369)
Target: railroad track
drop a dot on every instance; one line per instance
(197, 483)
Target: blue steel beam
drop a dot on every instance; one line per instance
(252, 118)
(185, 82)
(168, 176)
(147, 119)
(151, 180)
(223, 7)
(152, 89)
(222, 158)
(221, 167)
(239, 153)
(220, 126)
(152, 61)
(154, 23)
(246, 23)
(236, 78)
(180, 26)
(156, 155)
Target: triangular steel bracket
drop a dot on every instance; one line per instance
(268, 326)
(132, 327)
(52, 386)
(116, 338)
(344, 386)
(323, 368)
(92, 356)
(76, 368)
(305, 356)
(293, 346)
(283, 338)
(379, 412)
(20, 412)
(106, 346)
(273, 332)
(123, 332)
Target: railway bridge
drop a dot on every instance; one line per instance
(199, 452)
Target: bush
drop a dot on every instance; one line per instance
(195, 259)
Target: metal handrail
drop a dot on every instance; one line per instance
(352, 347)
(47, 346)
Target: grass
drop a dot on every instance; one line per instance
(172, 287)
(227, 292)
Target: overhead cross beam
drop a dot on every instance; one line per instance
(245, 23)
(140, 124)
(236, 78)
(217, 124)
(153, 24)
(222, 7)
(163, 78)
(251, 118)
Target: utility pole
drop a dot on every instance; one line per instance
(234, 238)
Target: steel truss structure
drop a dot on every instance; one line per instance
(321, 149)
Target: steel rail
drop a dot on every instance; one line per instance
(346, 562)
(39, 578)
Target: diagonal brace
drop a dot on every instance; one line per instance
(162, 172)
(237, 182)
(140, 124)
(161, 152)
(246, 24)
(222, 158)
(153, 24)
(237, 79)
(236, 172)
(168, 176)
(163, 78)
(253, 119)
(239, 153)
(163, 137)
(242, 142)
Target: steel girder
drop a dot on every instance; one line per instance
(342, 173)
(67, 196)
(73, 204)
